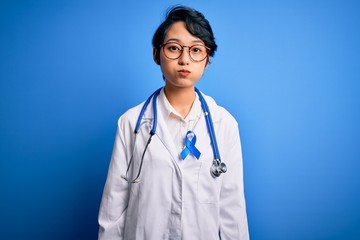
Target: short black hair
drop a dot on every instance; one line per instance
(195, 23)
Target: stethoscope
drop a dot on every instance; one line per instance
(217, 166)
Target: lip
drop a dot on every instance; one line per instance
(184, 72)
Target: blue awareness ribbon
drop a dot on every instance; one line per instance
(190, 141)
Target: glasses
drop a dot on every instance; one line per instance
(197, 52)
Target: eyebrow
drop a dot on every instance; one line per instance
(178, 40)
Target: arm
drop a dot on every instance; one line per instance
(233, 219)
(115, 196)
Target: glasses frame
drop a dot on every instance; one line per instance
(182, 50)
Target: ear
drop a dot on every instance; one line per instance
(154, 56)
(207, 62)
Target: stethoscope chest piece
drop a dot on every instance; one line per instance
(217, 168)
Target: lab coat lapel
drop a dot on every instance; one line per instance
(163, 133)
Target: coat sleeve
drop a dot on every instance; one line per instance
(233, 218)
(114, 201)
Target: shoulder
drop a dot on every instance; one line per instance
(129, 117)
(219, 113)
(225, 125)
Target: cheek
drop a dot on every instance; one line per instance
(165, 64)
(203, 68)
(163, 60)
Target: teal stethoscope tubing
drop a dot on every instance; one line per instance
(217, 167)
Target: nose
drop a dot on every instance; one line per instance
(184, 58)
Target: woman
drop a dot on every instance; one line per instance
(161, 187)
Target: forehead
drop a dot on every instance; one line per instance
(178, 33)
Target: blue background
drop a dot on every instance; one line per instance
(289, 72)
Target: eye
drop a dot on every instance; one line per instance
(172, 47)
(197, 49)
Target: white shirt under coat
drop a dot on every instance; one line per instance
(175, 199)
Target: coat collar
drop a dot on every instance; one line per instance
(149, 113)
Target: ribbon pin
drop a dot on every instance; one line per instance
(190, 141)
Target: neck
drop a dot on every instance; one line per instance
(181, 99)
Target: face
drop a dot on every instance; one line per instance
(182, 72)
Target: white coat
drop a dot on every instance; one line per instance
(175, 199)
